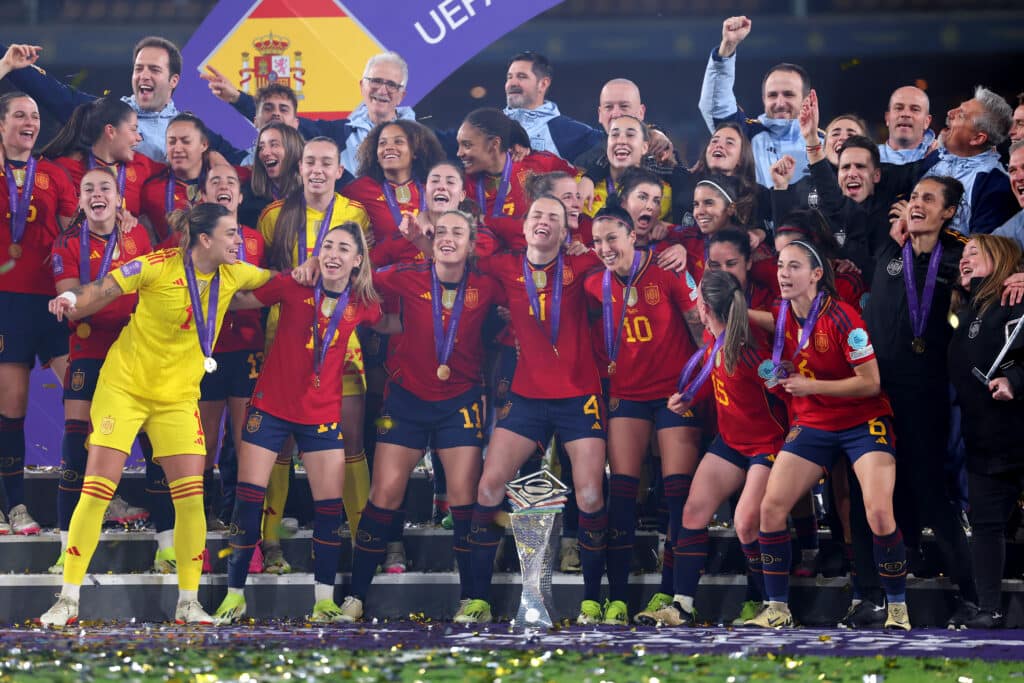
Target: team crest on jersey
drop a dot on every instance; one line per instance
(107, 425)
(613, 405)
(472, 297)
(350, 313)
(567, 275)
(793, 433)
(130, 175)
(77, 380)
(821, 342)
(384, 424)
(895, 266)
(652, 295)
(251, 245)
(42, 181)
(974, 329)
(252, 425)
(130, 248)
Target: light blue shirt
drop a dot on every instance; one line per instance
(1013, 228)
(535, 121)
(153, 129)
(360, 125)
(898, 157)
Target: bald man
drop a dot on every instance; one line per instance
(908, 119)
(619, 96)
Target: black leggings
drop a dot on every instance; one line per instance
(992, 498)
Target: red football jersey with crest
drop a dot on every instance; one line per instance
(140, 169)
(100, 329)
(750, 419)
(243, 330)
(286, 388)
(516, 202)
(838, 344)
(413, 362)
(389, 245)
(763, 269)
(542, 372)
(53, 196)
(654, 323)
(186, 195)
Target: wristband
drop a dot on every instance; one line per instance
(70, 296)
(814, 148)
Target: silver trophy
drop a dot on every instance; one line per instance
(537, 499)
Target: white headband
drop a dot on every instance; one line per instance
(811, 249)
(719, 188)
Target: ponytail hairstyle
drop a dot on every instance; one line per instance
(290, 221)
(204, 136)
(361, 278)
(952, 193)
(540, 184)
(494, 124)
(471, 222)
(86, 125)
(827, 283)
(738, 239)
(725, 299)
(732, 190)
(76, 222)
(201, 219)
(292, 141)
(811, 226)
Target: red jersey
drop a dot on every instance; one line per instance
(541, 371)
(389, 245)
(285, 388)
(838, 344)
(53, 196)
(750, 419)
(137, 172)
(412, 362)
(516, 202)
(759, 297)
(850, 288)
(154, 200)
(654, 322)
(585, 231)
(764, 268)
(102, 328)
(243, 330)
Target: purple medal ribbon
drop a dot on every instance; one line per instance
(556, 297)
(613, 335)
(919, 310)
(241, 246)
(444, 341)
(688, 388)
(84, 250)
(324, 226)
(206, 325)
(499, 198)
(20, 205)
(394, 208)
(322, 343)
(172, 183)
(805, 332)
(611, 189)
(274, 192)
(122, 175)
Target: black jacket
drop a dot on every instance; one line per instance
(993, 430)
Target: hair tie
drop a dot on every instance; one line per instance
(719, 188)
(812, 250)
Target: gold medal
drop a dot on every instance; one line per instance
(83, 330)
(402, 194)
(14, 250)
(327, 306)
(448, 299)
(316, 381)
(540, 278)
(631, 296)
(917, 346)
(611, 368)
(443, 372)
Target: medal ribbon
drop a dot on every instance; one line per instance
(321, 344)
(393, 206)
(206, 325)
(805, 332)
(241, 247)
(122, 175)
(919, 310)
(611, 189)
(84, 251)
(613, 335)
(444, 341)
(689, 388)
(325, 224)
(172, 183)
(556, 296)
(499, 198)
(20, 204)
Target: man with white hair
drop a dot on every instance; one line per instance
(382, 86)
(968, 153)
(907, 118)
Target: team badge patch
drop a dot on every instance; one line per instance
(692, 285)
(472, 298)
(131, 269)
(820, 342)
(793, 433)
(384, 424)
(131, 175)
(860, 346)
(130, 248)
(251, 246)
(107, 425)
(42, 181)
(567, 275)
(613, 404)
(252, 425)
(58, 264)
(974, 329)
(77, 380)
(652, 295)
(895, 266)
(350, 313)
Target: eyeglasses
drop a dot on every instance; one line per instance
(381, 82)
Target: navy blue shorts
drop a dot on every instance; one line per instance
(821, 447)
(237, 372)
(538, 419)
(266, 431)
(29, 331)
(81, 377)
(653, 411)
(410, 421)
(375, 347)
(726, 452)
